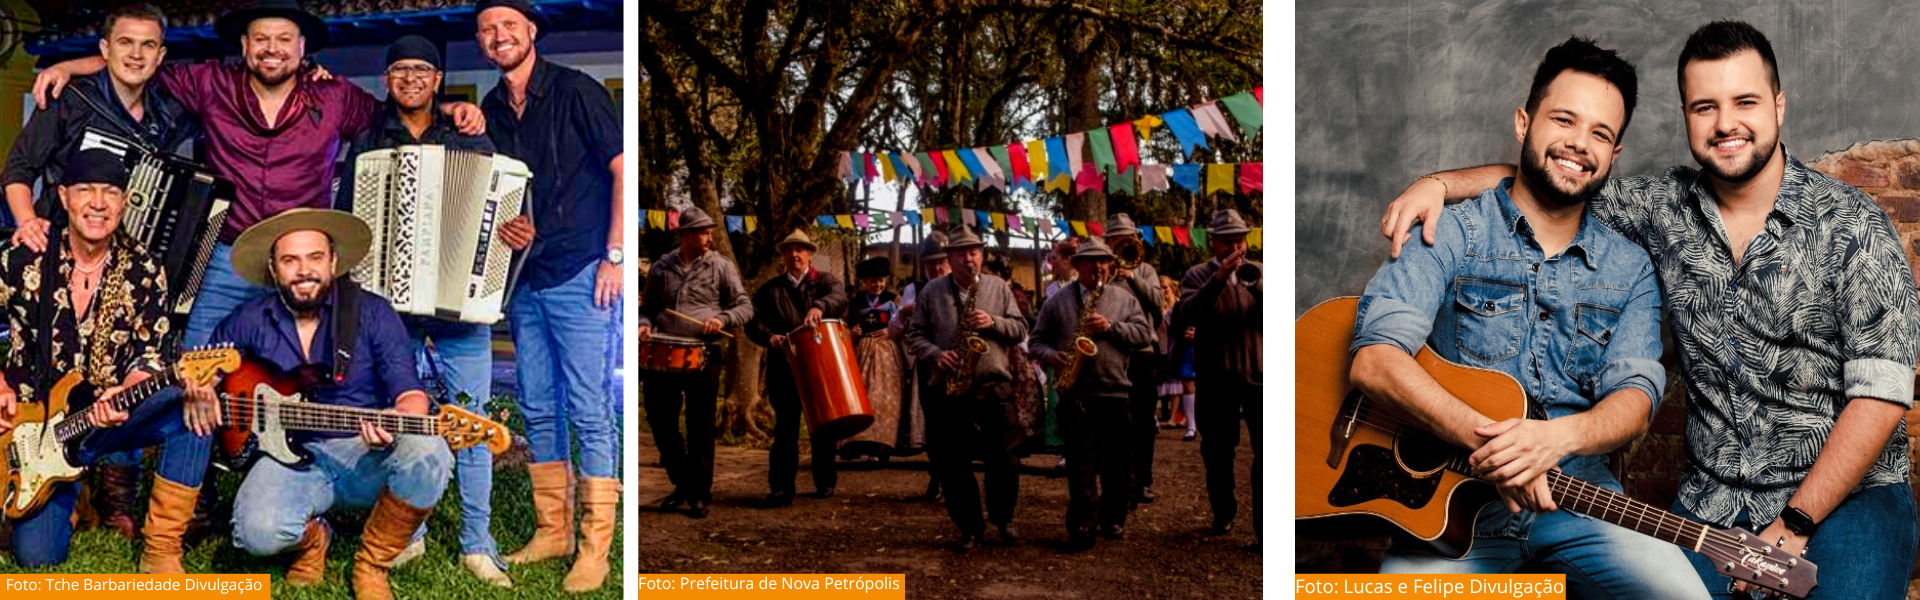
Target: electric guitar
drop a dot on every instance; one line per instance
(260, 407)
(1362, 463)
(46, 439)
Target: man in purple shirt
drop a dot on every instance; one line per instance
(271, 132)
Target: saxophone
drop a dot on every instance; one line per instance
(967, 342)
(1128, 252)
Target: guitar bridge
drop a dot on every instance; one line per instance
(1352, 411)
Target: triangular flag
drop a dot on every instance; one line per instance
(735, 223)
(1183, 236)
(1146, 235)
(1253, 238)
(1102, 150)
(1080, 228)
(752, 223)
(845, 221)
(991, 175)
(1181, 122)
(1246, 110)
(1212, 122)
(1122, 182)
(1089, 180)
(920, 164)
(1250, 182)
(1076, 151)
(956, 167)
(940, 215)
(873, 170)
(1220, 178)
(1187, 175)
(1013, 221)
(1153, 178)
(972, 162)
(826, 221)
(1165, 234)
(966, 217)
(1057, 163)
(1003, 164)
(1096, 228)
(862, 221)
(887, 174)
(1000, 221)
(1200, 236)
(1021, 165)
(1126, 149)
(673, 219)
(981, 219)
(1145, 125)
(941, 171)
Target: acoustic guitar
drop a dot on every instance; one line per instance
(1363, 467)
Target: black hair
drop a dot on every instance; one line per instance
(145, 11)
(1723, 39)
(1581, 55)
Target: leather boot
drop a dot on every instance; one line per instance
(310, 555)
(120, 486)
(552, 514)
(389, 528)
(167, 513)
(600, 497)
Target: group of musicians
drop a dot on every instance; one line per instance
(81, 296)
(960, 330)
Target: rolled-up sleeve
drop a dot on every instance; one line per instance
(1878, 333)
(1403, 296)
(1633, 352)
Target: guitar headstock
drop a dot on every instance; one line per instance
(202, 366)
(1745, 557)
(463, 429)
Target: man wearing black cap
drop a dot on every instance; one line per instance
(464, 350)
(800, 297)
(565, 125)
(95, 305)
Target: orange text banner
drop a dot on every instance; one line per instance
(145, 587)
(705, 586)
(1431, 587)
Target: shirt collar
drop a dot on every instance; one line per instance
(798, 279)
(541, 77)
(1584, 239)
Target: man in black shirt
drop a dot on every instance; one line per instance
(801, 296)
(565, 126)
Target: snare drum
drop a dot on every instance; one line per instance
(832, 394)
(673, 353)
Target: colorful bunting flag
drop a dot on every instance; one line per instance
(940, 215)
(1080, 228)
(1061, 226)
(1146, 235)
(1022, 174)
(1076, 151)
(1220, 178)
(966, 217)
(1102, 150)
(1121, 183)
(1187, 175)
(1097, 228)
(846, 168)
(1246, 110)
(940, 167)
(1259, 96)
(1126, 150)
(1183, 236)
(673, 219)
(1250, 182)
(1000, 221)
(922, 165)
(1057, 164)
(917, 218)
(1013, 220)
(657, 219)
(1253, 238)
(1184, 129)
(1212, 122)
(990, 173)
(879, 221)
(735, 223)
(1200, 237)
(826, 221)
(845, 221)
(971, 162)
(956, 168)
(1145, 125)
(753, 223)
(981, 219)
(860, 220)
(872, 169)
(1153, 178)
(1046, 228)
(1003, 165)
(1165, 234)
(1089, 180)
(886, 168)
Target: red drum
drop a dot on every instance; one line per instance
(831, 391)
(673, 353)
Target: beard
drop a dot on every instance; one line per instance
(309, 305)
(1736, 171)
(271, 79)
(1546, 187)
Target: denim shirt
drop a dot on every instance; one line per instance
(1573, 328)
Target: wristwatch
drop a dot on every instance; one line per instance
(615, 255)
(1798, 522)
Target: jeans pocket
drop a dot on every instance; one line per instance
(1490, 318)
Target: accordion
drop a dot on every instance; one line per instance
(436, 215)
(174, 207)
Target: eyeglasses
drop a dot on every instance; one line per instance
(411, 71)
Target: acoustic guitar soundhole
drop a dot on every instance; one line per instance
(1422, 452)
(1373, 474)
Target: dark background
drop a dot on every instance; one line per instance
(1388, 91)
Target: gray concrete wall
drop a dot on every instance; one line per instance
(1388, 91)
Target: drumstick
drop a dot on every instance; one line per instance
(689, 319)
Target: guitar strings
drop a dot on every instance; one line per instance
(303, 415)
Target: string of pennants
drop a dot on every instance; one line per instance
(1044, 228)
(1059, 162)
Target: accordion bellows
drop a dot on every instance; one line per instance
(436, 215)
(174, 207)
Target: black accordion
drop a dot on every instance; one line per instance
(174, 207)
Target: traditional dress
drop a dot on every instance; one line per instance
(883, 371)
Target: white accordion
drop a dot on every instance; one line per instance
(436, 215)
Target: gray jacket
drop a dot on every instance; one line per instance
(707, 287)
(932, 329)
(1104, 373)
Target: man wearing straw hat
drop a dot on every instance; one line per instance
(691, 292)
(800, 297)
(353, 345)
(1095, 414)
(1143, 283)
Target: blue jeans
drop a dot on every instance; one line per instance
(271, 511)
(41, 538)
(462, 357)
(221, 291)
(1865, 547)
(1600, 559)
(560, 339)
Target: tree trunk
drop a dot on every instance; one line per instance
(1081, 103)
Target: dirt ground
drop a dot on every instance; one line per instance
(877, 523)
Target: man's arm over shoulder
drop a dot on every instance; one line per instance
(1632, 357)
(194, 84)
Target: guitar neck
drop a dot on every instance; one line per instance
(1601, 503)
(328, 418)
(72, 428)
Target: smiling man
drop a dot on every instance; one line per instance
(1795, 310)
(1526, 281)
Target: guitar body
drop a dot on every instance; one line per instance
(40, 460)
(1355, 481)
(247, 434)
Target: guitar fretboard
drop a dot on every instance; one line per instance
(76, 425)
(326, 418)
(1571, 492)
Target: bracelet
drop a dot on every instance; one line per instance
(1444, 190)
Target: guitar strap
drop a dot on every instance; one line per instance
(43, 310)
(346, 325)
